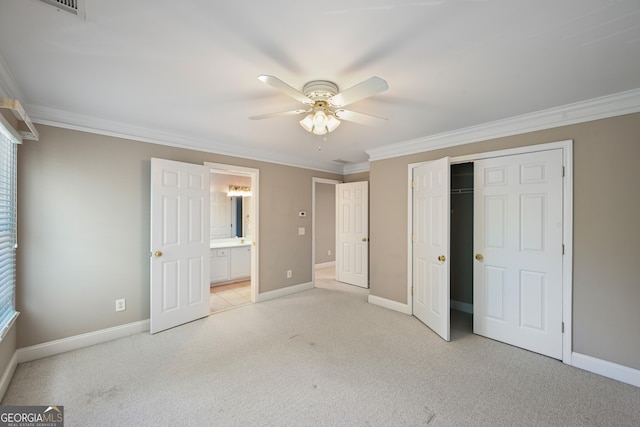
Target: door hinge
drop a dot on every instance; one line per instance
(563, 171)
(412, 181)
(412, 291)
(412, 237)
(563, 327)
(563, 249)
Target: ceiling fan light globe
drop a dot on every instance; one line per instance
(320, 130)
(332, 123)
(307, 123)
(320, 118)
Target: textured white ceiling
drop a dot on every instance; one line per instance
(185, 73)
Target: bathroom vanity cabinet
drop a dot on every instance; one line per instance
(230, 261)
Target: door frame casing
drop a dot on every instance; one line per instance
(567, 227)
(227, 169)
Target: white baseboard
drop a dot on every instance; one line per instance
(266, 296)
(391, 305)
(8, 374)
(465, 307)
(326, 264)
(606, 369)
(75, 342)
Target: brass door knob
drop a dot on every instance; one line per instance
(157, 254)
(442, 258)
(364, 239)
(479, 257)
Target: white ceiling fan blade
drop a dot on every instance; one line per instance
(284, 113)
(360, 91)
(360, 118)
(288, 90)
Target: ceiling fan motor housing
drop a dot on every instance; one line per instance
(320, 89)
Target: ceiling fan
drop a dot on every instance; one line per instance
(324, 103)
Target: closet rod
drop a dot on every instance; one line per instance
(461, 190)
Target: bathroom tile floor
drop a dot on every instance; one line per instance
(225, 297)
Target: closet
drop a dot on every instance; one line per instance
(489, 233)
(461, 238)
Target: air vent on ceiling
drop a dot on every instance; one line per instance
(343, 162)
(72, 6)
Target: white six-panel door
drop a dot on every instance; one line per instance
(518, 247)
(352, 237)
(431, 214)
(179, 243)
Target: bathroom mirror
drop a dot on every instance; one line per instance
(230, 214)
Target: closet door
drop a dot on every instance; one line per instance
(518, 247)
(431, 213)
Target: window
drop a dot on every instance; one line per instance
(8, 228)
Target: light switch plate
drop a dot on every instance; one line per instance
(301, 231)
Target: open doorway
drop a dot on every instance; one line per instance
(233, 236)
(324, 227)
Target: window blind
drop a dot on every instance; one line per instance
(8, 228)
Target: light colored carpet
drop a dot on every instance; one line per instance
(318, 358)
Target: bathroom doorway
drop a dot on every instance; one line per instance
(233, 236)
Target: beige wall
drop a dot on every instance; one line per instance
(606, 275)
(356, 177)
(325, 222)
(83, 203)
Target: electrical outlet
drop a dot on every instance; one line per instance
(329, 252)
(289, 274)
(121, 305)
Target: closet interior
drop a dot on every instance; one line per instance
(461, 238)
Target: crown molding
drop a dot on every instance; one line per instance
(619, 104)
(58, 118)
(355, 168)
(62, 119)
(598, 108)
